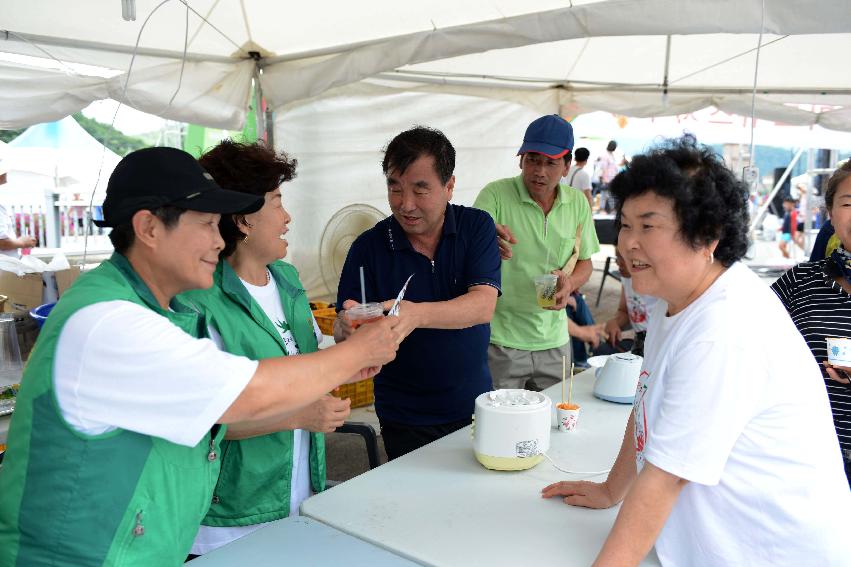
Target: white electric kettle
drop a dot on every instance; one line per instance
(511, 431)
(618, 378)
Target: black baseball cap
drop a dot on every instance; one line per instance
(156, 177)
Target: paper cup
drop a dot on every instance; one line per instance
(545, 290)
(839, 351)
(364, 313)
(568, 416)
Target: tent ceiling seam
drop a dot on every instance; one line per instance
(578, 58)
(203, 21)
(245, 20)
(728, 59)
(213, 26)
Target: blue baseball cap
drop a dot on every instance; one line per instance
(550, 135)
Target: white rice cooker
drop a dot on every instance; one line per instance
(511, 429)
(618, 378)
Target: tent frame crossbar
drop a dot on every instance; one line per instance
(8, 35)
(529, 83)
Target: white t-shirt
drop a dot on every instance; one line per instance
(578, 178)
(209, 537)
(121, 365)
(7, 230)
(638, 306)
(731, 399)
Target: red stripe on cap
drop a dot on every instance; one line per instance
(554, 156)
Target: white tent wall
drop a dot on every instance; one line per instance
(338, 143)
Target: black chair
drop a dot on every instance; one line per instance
(370, 438)
(606, 234)
(607, 271)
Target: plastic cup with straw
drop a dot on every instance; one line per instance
(365, 312)
(568, 413)
(362, 287)
(545, 286)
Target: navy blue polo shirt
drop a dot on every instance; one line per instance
(437, 373)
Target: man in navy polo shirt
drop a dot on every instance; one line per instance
(440, 368)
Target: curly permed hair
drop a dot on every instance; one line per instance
(710, 203)
(248, 168)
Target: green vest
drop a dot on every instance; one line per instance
(255, 482)
(119, 498)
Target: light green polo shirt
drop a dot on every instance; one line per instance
(518, 322)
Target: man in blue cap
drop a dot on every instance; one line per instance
(540, 226)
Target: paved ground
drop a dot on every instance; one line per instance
(346, 453)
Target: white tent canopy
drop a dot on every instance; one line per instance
(60, 155)
(634, 57)
(345, 77)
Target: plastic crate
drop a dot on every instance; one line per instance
(325, 319)
(361, 393)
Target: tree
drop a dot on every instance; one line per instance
(9, 135)
(115, 140)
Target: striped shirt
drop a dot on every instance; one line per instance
(820, 308)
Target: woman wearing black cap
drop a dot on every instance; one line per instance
(113, 450)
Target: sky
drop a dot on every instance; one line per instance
(129, 120)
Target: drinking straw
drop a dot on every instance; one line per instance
(563, 370)
(570, 389)
(362, 288)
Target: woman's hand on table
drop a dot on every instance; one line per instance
(581, 493)
(841, 374)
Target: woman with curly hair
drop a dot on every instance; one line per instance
(816, 294)
(728, 457)
(257, 308)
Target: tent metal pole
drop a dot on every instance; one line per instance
(52, 231)
(259, 115)
(760, 214)
(265, 118)
(270, 126)
(667, 66)
(807, 204)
